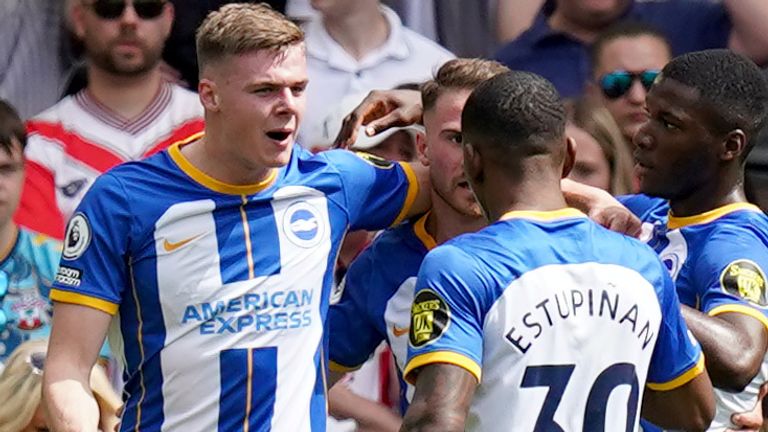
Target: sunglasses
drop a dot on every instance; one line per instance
(617, 83)
(113, 9)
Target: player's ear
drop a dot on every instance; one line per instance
(569, 158)
(473, 164)
(421, 148)
(209, 97)
(734, 145)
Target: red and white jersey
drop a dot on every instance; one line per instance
(76, 140)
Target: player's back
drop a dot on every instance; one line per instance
(570, 315)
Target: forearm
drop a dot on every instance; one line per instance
(581, 196)
(748, 34)
(369, 415)
(70, 403)
(421, 418)
(732, 360)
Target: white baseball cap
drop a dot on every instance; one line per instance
(332, 125)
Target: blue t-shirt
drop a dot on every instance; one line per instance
(220, 292)
(552, 314)
(689, 25)
(375, 302)
(27, 273)
(717, 260)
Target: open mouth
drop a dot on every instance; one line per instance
(463, 184)
(279, 135)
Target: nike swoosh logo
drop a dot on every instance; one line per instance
(170, 247)
(397, 331)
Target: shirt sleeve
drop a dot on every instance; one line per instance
(729, 275)
(378, 193)
(677, 356)
(38, 209)
(353, 335)
(93, 270)
(446, 319)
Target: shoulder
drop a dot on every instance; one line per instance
(37, 241)
(644, 206)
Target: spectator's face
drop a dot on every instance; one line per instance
(592, 14)
(399, 146)
(130, 43)
(442, 152)
(634, 55)
(257, 101)
(11, 181)
(590, 167)
(675, 153)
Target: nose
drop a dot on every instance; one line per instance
(643, 139)
(289, 102)
(129, 16)
(636, 93)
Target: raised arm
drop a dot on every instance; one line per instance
(733, 343)
(441, 401)
(601, 207)
(76, 338)
(748, 35)
(379, 111)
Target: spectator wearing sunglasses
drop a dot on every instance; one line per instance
(626, 59)
(21, 408)
(28, 261)
(556, 46)
(126, 112)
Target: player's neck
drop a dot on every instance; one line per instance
(9, 232)
(128, 96)
(540, 193)
(445, 223)
(359, 32)
(709, 198)
(220, 163)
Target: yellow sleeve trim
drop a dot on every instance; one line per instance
(742, 309)
(332, 365)
(449, 357)
(410, 197)
(688, 375)
(84, 300)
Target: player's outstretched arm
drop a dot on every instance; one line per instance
(441, 401)
(734, 345)
(379, 111)
(77, 335)
(601, 207)
(689, 407)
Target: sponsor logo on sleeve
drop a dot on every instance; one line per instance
(375, 160)
(69, 276)
(430, 317)
(77, 238)
(745, 279)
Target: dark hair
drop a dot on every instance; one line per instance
(514, 114)
(457, 74)
(11, 127)
(625, 29)
(732, 85)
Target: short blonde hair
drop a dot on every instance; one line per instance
(21, 389)
(459, 74)
(240, 28)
